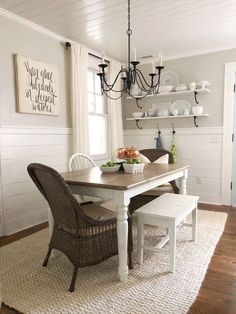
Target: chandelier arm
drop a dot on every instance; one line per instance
(149, 89)
(140, 84)
(139, 72)
(113, 90)
(110, 86)
(113, 98)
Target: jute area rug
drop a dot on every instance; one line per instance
(31, 288)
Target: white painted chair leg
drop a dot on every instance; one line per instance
(172, 243)
(194, 223)
(140, 241)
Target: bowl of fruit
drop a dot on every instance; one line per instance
(129, 152)
(133, 166)
(110, 166)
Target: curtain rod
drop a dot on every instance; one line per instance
(68, 45)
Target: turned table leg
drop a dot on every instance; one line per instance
(183, 183)
(122, 235)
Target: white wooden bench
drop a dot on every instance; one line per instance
(168, 211)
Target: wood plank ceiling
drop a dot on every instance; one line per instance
(177, 27)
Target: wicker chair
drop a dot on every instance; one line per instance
(86, 234)
(144, 198)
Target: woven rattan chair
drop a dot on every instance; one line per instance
(144, 198)
(86, 234)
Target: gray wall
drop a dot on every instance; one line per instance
(16, 38)
(197, 68)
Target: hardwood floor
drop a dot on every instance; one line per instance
(218, 291)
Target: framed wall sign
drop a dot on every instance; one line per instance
(37, 87)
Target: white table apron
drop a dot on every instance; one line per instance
(122, 199)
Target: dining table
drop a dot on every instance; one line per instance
(121, 187)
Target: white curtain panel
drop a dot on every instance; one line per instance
(79, 102)
(115, 124)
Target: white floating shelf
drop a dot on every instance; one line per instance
(137, 120)
(186, 92)
(170, 117)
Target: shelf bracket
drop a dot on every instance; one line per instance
(195, 121)
(195, 96)
(136, 99)
(137, 124)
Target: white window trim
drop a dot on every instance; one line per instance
(106, 155)
(93, 66)
(230, 70)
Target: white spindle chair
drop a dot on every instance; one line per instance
(79, 161)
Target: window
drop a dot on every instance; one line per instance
(97, 109)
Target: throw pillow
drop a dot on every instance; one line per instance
(162, 160)
(144, 159)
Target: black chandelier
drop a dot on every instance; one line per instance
(132, 75)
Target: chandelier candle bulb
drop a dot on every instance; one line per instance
(153, 67)
(161, 59)
(135, 56)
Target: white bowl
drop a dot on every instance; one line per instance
(175, 112)
(192, 85)
(181, 88)
(137, 114)
(110, 169)
(165, 89)
(197, 109)
(203, 84)
(163, 112)
(152, 112)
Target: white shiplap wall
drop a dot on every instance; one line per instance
(1, 197)
(23, 205)
(201, 148)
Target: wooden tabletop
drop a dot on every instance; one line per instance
(120, 180)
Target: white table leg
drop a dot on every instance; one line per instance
(194, 223)
(172, 243)
(140, 240)
(122, 234)
(183, 183)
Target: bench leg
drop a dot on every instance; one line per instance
(140, 240)
(194, 223)
(172, 243)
